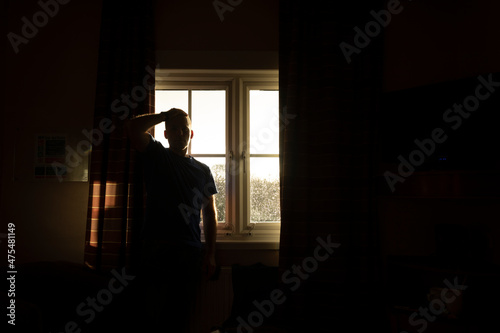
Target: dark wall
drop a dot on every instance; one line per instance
(434, 53)
(191, 34)
(50, 88)
(435, 41)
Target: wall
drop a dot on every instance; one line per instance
(435, 41)
(431, 42)
(190, 34)
(50, 86)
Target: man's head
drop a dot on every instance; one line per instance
(178, 131)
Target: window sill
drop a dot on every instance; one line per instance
(247, 242)
(247, 245)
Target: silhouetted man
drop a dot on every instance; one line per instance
(178, 187)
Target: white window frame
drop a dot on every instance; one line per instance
(237, 228)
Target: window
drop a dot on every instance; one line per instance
(235, 117)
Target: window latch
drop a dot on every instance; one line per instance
(243, 156)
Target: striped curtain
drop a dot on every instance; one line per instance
(328, 247)
(125, 88)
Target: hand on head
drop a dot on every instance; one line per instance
(175, 113)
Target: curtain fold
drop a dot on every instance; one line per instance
(125, 88)
(329, 109)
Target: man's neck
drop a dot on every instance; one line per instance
(181, 153)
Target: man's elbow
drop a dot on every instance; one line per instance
(139, 141)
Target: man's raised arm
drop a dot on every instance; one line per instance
(137, 129)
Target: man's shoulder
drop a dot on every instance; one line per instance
(201, 165)
(154, 146)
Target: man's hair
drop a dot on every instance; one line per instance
(185, 114)
(177, 109)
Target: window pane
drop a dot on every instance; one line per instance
(164, 101)
(218, 167)
(209, 121)
(264, 189)
(264, 122)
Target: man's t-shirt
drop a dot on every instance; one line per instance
(177, 188)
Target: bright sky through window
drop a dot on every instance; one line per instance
(264, 160)
(209, 122)
(264, 122)
(264, 133)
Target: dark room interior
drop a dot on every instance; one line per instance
(388, 162)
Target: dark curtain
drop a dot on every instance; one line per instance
(125, 88)
(328, 167)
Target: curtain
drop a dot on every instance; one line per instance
(329, 108)
(125, 88)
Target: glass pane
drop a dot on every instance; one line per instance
(264, 122)
(264, 189)
(209, 121)
(164, 101)
(218, 167)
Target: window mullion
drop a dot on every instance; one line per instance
(190, 113)
(231, 157)
(245, 177)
